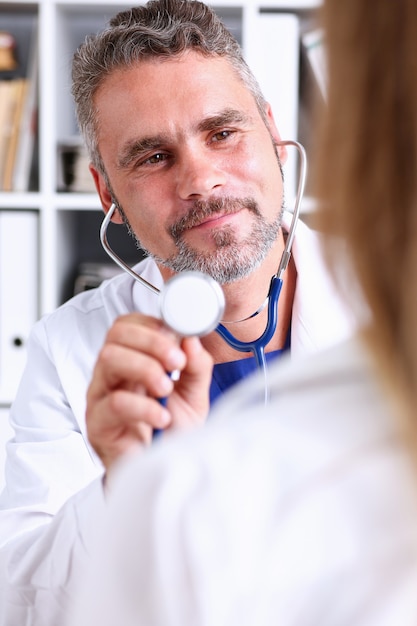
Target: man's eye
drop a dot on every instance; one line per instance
(156, 158)
(222, 135)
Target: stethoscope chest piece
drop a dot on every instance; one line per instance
(192, 303)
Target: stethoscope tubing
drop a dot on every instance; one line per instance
(257, 346)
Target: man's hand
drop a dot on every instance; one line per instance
(131, 373)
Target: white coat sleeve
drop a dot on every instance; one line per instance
(53, 492)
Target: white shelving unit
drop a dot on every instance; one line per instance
(67, 223)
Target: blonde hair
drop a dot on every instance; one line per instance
(366, 177)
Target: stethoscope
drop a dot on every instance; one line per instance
(192, 303)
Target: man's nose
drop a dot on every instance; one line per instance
(198, 175)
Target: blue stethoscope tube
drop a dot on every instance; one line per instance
(257, 346)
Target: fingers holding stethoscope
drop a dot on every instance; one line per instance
(122, 422)
(131, 375)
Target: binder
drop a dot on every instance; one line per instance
(6, 433)
(18, 294)
(272, 48)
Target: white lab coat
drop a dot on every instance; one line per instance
(53, 501)
(301, 513)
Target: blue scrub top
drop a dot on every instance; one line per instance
(225, 375)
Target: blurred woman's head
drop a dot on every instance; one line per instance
(367, 170)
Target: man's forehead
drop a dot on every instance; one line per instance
(158, 82)
(155, 66)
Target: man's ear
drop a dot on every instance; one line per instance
(104, 194)
(282, 150)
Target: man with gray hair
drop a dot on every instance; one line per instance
(184, 150)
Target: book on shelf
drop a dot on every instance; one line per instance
(26, 143)
(8, 106)
(18, 114)
(12, 130)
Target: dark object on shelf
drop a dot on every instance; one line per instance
(73, 171)
(8, 61)
(91, 275)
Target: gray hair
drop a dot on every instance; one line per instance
(161, 28)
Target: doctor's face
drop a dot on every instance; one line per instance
(191, 164)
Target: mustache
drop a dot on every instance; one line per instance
(202, 209)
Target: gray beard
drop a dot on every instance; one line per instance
(232, 259)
